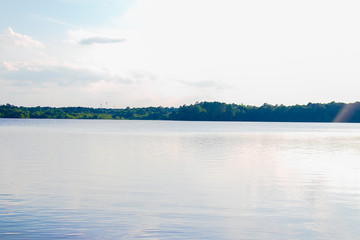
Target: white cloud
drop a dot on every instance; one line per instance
(9, 38)
(41, 83)
(6, 66)
(53, 73)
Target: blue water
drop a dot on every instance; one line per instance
(102, 179)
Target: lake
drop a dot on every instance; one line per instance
(103, 179)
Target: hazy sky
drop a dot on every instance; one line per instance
(173, 52)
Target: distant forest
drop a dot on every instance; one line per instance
(203, 111)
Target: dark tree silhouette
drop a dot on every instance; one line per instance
(203, 111)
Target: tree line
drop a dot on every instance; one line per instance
(203, 111)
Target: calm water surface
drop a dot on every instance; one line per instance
(98, 179)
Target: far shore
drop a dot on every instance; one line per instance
(203, 111)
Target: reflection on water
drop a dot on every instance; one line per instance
(81, 179)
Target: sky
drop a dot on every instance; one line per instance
(141, 53)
